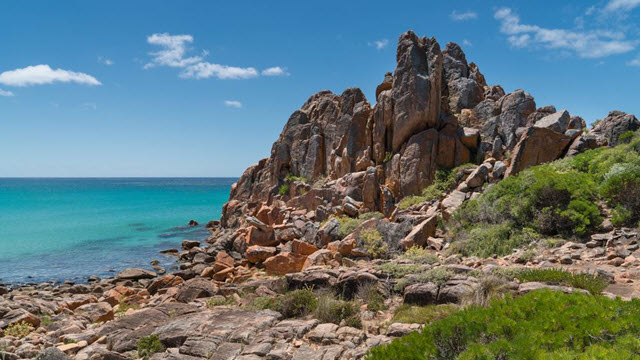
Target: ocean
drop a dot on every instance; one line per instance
(55, 229)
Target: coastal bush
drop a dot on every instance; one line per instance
(511, 213)
(149, 345)
(19, 329)
(292, 304)
(438, 276)
(626, 137)
(218, 301)
(537, 326)
(420, 255)
(410, 314)
(349, 224)
(592, 283)
(331, 310)
(621, 189)
(397, 270)
(373, 243)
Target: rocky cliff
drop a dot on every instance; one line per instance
(339, 155)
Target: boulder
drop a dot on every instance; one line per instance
(52, 353)
(97, 312)
(609, 130)
(17, 316)
(538, 146)
(196, 288)
(135, 274)
(256, 254)
(284, 263)
(478, 176)
(421, 294)
(259, 237)
(558, 122)
(420, 233)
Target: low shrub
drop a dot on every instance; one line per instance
(397, 270)
(149, 345)
(19, 329)
(420, 255)
(370, 295)
(621, 189)
(349, 224)
(592, 283)
(330, 310)
(292, 304)
(218, 301)
(292, 177)
(410, 314)
(438, 276)
(283, 189)
(444, 181)
(373, 243)
(537, 326)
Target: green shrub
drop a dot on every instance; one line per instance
(438, 276)
(283, 189)
(330, 310)
(370, 215)
(19, 330)
(420, 255)
(149, 345)
(387, 157)
(349, 224)
(592, 283)
(292, 177)
(397, 270)
(621, 189)
(373, 243)
(218, 301)
(626, 137)
(486, 240)
(296, 303)
(537, 326)
(410, 314)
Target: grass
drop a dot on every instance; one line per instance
(409, 314)
(592, 283)
(19, 330)
(45, 320)
(537, 326)
(123, 307)
(370, 295)
(331, 310)
(147, 346)
(349, 224)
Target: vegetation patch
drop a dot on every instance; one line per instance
(292, 177)
(218, 301)
(445, 180)
(370, 295)
(420, 255)
(292, 304)
(540, 325)
(592, 283)
(19, 330)
(331, 310)
(373, 243)
(438, 276)
(283, 189)
(397, 270)
(149, 345)
(410, 314)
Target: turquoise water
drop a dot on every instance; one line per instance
(70, 229)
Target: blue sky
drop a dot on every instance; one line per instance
(203, 88)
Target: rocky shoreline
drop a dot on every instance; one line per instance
(327, 248)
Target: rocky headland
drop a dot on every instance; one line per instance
(357, 220)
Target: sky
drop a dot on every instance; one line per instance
(203, 88)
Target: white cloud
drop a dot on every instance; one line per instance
(174, 52)
(379, 44)
(44, 74)
(467, 15)
(6, 93)
(205, 70)
(274, 71)
(105, 61)
(634, 62)
(174, 47)
(621, 5)
(89, 106)
(233, 103)
(466, 42)
(586, 44)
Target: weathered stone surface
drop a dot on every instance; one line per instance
(538, 146)
(421, 294)
(97, 312)
(558, 122)
(608, 131)
(52, 353)
(284, 263)
(136, 274)
(196, 288)
(257, 254)
(420, 233)
(17, 316)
